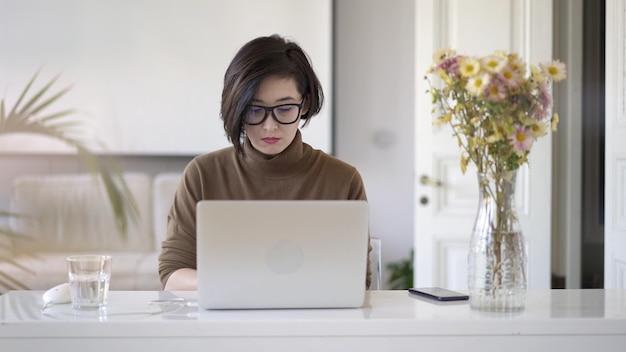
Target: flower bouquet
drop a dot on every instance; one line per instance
(497, 107)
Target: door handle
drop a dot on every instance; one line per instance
(427, 181)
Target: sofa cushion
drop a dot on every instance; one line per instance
(71, 212)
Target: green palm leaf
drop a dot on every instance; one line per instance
(28, 118)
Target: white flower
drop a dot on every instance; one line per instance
(554, 69)
(477, 84)
(493, 63)
(469, 67)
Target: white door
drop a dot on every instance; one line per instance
(445, 212)
(615, 156)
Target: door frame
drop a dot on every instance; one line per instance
(567, 147)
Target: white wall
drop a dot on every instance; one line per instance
(374, 111)
(373, 95)
(143, 71)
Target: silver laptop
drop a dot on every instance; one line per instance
(281, 254)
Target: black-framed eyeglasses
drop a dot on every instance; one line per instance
(284, 114)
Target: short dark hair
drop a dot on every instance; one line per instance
(260, 58)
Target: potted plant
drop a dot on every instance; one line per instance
(29, 115)
(401, 273)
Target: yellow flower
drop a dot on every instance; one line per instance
(536, 73)
(539, 129)
(555, 121)
(434, 96)
(443, 119)
(443, 54)
(518, 65)
(469, 67)
(444, 76)
(493, 138)
(464, 162)
(502, 53)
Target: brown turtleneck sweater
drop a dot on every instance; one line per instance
(299, 172)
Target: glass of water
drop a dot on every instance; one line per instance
(89, 277)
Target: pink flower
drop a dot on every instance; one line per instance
(496, 91)
(538, 113)
(540, 108)
(545, 98)
(522, 139)
(511, 78)
(450, 65)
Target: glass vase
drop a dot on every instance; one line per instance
(497, 255)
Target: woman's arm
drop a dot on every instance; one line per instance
(177, 261)
(184, 279)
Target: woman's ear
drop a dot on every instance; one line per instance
(306, 106)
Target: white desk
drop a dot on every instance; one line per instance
(567, 320)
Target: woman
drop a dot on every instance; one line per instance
(269, 88)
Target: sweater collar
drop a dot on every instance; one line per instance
(283, 165)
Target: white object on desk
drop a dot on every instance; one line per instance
(59, 294)
(567, 320)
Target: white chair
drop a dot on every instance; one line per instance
(164, 189)
(376, 264)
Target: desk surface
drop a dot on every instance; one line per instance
(592, 314)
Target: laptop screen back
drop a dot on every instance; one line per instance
(281, 254)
